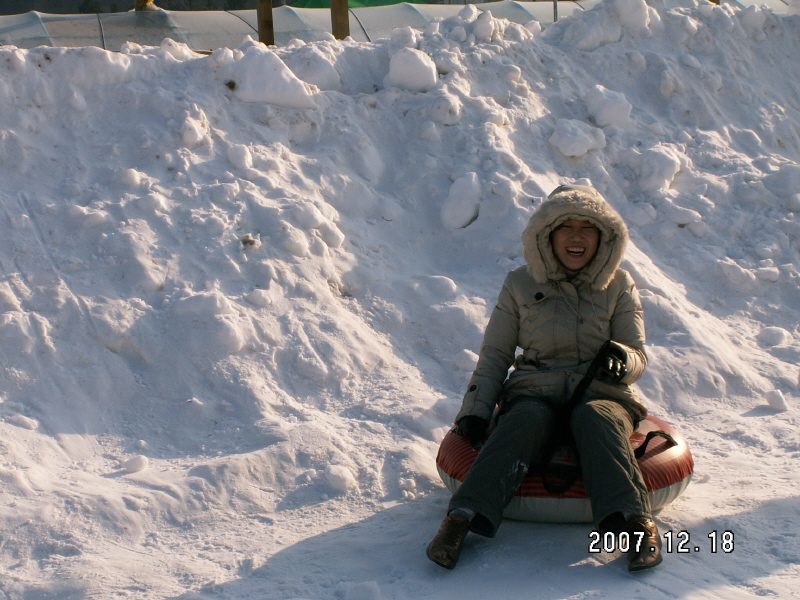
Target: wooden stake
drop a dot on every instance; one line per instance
(266, 26)
(340, 19)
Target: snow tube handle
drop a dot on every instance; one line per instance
(639, 453)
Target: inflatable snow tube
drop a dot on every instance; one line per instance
(666, 468)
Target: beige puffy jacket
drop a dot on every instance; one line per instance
(560, 323)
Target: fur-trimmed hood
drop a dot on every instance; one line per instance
(584, 204)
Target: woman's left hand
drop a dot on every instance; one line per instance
(614, 366)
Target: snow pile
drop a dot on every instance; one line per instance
(241, 294)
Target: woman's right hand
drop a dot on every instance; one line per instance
(472, 427)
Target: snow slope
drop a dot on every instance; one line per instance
(241, 295)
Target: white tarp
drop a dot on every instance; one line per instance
(207, 30)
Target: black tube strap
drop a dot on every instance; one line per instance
(639, 453)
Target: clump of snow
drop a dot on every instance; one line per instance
(194, 131)
(608, 107)
(135, 464)
(316, 64)
(442, 286)
(261, 76)
(739, 276)
(484, 27)
(776, 401)
(655, 167)
(412, 70)
(753, 18)
(774, 336)
(446, 110)
(340, 478)
(462, 204)
(576, 138)
(131, 177)
(24, 422)
(153, 201)
(466, 360)
(768, 273)
(240, 157)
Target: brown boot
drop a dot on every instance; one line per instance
(645, 552)
(446, 544)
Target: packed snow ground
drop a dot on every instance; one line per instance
(242, 293)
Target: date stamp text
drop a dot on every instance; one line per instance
(679, 542)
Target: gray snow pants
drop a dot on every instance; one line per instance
(601, 429)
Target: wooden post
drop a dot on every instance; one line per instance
(555, 11)
(340, 19)
(266, 26)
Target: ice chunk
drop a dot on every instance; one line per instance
(296, 242)
(153, 202)
(466, 360)
(442, 286)
(447, 110)
(331, 234)
(412, 70)
(776, 400)
(774, 336)
(261, 76)
(484, 27)
(306, 214)
(469, 13)
(135, 464)
(240, 157)
(131, 178)
(737, 275)
(462, 203)
(576, 138)
(403, 37)
(608, 107)
(24, 422)
(656, 168)
(340, 478)
(314, 66)
(793, 202)
(633, 14)
(770, 274)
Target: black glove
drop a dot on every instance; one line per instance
(472, 427)
(613, 368)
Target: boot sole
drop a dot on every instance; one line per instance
(441, 564)
(646, 567)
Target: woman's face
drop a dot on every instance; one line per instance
(575, 243)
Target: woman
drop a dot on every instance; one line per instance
(568, 303)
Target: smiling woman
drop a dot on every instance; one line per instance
(578, 320)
